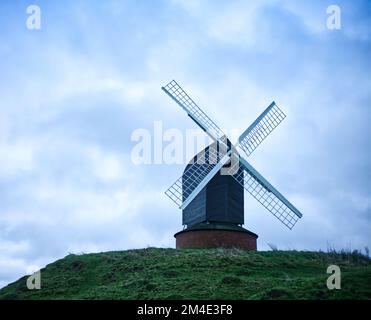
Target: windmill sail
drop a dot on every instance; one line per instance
(261, 128)
(267, 195)
(193, 110)
(195, 178)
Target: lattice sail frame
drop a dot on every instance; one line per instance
(175, 91)
(254, 183)
(199, 173)
(261, 128)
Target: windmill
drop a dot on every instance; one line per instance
(210, 191)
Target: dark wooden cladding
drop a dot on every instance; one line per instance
(195, 211)
(221, 200)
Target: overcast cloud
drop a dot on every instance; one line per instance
(72, 93)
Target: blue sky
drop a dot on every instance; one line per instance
(73, 92)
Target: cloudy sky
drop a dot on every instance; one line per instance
(73, 92)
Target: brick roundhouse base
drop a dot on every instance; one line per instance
(216, 236)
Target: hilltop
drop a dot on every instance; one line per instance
(198, 274)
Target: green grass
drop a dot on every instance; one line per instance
(198, 274)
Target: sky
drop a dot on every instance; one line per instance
(73, 92)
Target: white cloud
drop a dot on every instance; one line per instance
(236, 25)
(107, 167)
(11, 266)
(16, 157)
(13, 248)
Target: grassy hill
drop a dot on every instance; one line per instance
(198, 274)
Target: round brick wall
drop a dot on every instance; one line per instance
(216, 239)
